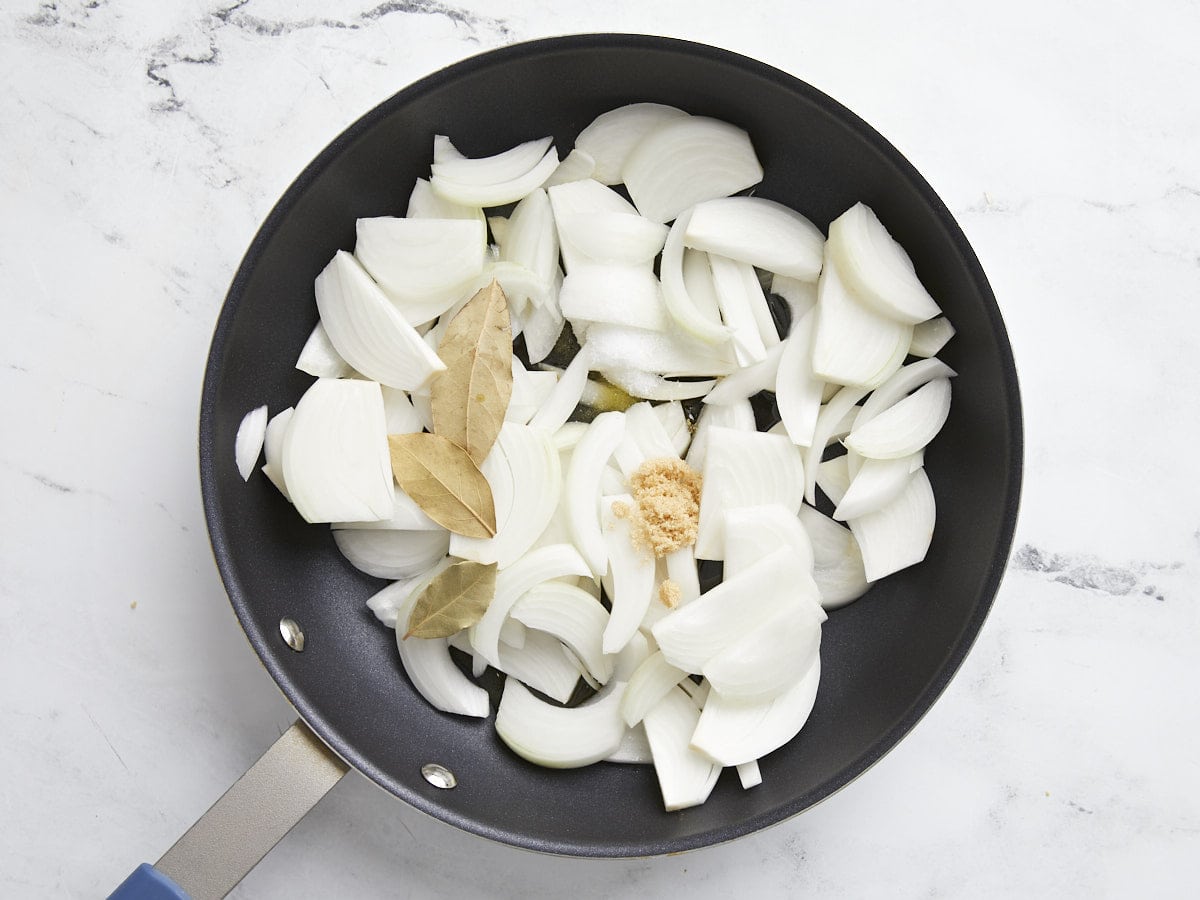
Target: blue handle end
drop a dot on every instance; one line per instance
(147, 883)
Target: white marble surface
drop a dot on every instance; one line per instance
(141, 143)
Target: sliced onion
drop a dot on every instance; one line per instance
(637, 383)
(646, 429)
(422, 265)
(335, 454)
(854, 344)
(406, 516)
(634, 749)
(877, 269)
(495, 193)
(685, 777)
(530, 391)
(505, 166)
(906, 427)
(749, 380)
(749, 775)
(392, 554)
(692, 635)
(624, 295)
(616, 347)
(743, 468)
(575, 166)
(555, 737)
(739, 415)
(632, 655)
(650, 682)
(833, 478)
(583, 486)
(674, 423)
(797, 390)
(583, 198)
(751, 532)
(541, 665)
(688, 160)
(530, 570)
(681, 569)
(829, 420)
(907, 379)
(876, 484)
(930, 337)
(543, 325)
(248, 444)
(368, 331)
(386, 604)
(273, 449)
(837, 561)
(319, 358)
(531, 241)
(399, 415)
(761, 232)
(573, 616)
(899, 534)
(611, 136)
(800, 296)
(613, 237)
(565, 396)
(697, 315)
(423, 203)
(512, 634)
(732, 733)
(632, 574)
(736, 297)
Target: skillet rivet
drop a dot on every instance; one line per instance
(293, 634)
(439, 776)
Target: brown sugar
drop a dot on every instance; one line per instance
(666, 493)
(669, 593)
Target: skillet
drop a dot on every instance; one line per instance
(885, 659)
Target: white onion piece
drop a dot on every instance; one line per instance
(906, 427)
(751, 532)
(568, 435)
(688, 160)
(565, 396)
(632, 574)
(582, 488)
(512, 634)
(899, 534)
(583, 199)
(613, 237)
(877, 483)
(739, 415)
(649, 683)
(367, 329)
(575, 166)
(391, 554)
(406, 516)
(681, 569)
(319, 358)
(631, 656)
(624, 295)
(574, 617)
(674, 423)
(735, 296)
(852, 343)
(665, 353)
(634, 749)
(829, 420)
(496, 193)
(837, 561)
(877, 269)
(423, 203)
(743, 468)
(512, 583)
(797, 390)
(422, 265)
(273, 449)
(398, 412)
(732, 733)
(335, 454)
(907, 379)
(386, 604)
(611, 136)
(749, 775)
(532, 466)
(773, 655)
(800, 296)
(696, 315)
(543, 325)
(646, 429)
(761, 232)
(930, 337)
(531, 240)
(833, 478)
(505, 166)
(248, 444)
(685, 777)
(691, 635)
(749, 380)
(650, 386)
(555, 737)
(541, 664)
(530, 391)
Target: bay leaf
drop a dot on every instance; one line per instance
(470, 398)
(443, 480)
(456, 599)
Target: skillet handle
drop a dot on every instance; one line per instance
(240, 828)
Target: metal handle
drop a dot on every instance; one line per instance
(253, 815)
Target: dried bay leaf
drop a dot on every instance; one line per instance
(470, 398)
(456, 599)
(443, 480)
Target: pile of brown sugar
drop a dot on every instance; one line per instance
(666, 513)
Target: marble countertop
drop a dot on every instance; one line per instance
(142, 143)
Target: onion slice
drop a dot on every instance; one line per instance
(541, 664)
(930, 337)
(696, 315)
(406, 516)
(611, 136)
(749, 380)
(907, 379)
(739, 415)
(627, 295)
(565, 396)
(899, 534)
(575, 166)
(573, 616)
(685, 161)
(650, 682)
(739, 300)
(877, 483)
(833, 478)
(829, 420)
(620, 238)
(749, 775)
(555, 737)
(761, 232)
(685, 777)
(248, 445)
(505, 166)
(423, 203)
(495, 193)
(751, 532)
(273, 449)
(319, 358)
(905, 428)
(837, 561)
(632, 574)
(797, 390)
(674, 423)
(391, 554)
(583, 487)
